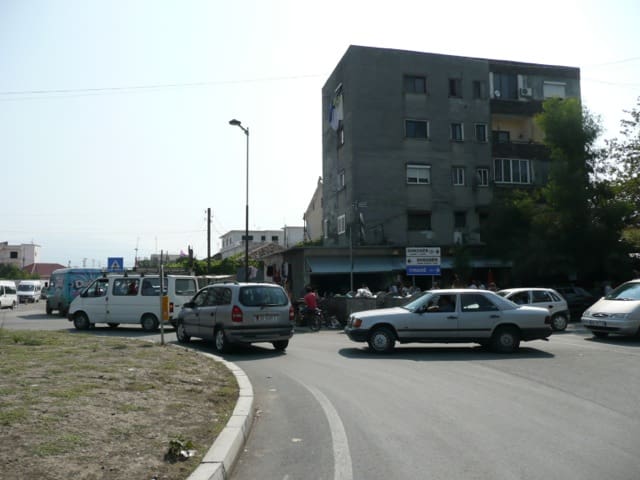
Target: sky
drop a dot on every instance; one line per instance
(114, 115)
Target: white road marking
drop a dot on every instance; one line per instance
(342, 457)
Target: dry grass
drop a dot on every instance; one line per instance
(85, 407)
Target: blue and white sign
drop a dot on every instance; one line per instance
(423, 269)
(115, 264)
(423, 260)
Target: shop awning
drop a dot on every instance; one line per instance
(328, 265)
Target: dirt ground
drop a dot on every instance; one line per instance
(76, 406)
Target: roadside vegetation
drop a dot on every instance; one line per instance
(86, 407)
(584, 223)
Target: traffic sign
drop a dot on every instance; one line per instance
(423, 269)
(423, 260)
(115, 264)
(423, 251)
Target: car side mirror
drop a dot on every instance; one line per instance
(188, 305)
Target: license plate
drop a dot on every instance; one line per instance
(266, 318)
(598, 323)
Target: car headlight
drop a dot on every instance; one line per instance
(618, 316)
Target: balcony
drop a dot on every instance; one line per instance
(519, 150)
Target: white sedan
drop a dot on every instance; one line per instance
(451, 316)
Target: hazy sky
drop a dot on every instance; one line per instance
(114, 115)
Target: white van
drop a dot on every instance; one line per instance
(8, 296)
(129, 299)
(29, 291)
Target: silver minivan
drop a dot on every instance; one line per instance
(616, 313)
(238, 313)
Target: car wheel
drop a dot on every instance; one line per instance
(601, 334)
(149, 322)
(113, 325)
(382, 340)
(13, 305)
(559, 322)
(281, 345)
(49, 310)
(505, 340)
(221, 343)
(81, 321)
(181, 333)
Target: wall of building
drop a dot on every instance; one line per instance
(19, 255)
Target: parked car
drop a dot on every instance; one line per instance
(577, 298)
(238, 313)
(29, 291)
(451, 316)
(8, 294)
(541, 297)
(618, 312)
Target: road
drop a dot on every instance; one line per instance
(328, 409)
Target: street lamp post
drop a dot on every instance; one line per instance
(238, 124)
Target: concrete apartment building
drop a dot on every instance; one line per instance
(19, 255)
(416, 145)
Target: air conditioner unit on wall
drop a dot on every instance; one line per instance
(526, 92)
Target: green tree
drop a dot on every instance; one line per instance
(571, 225)
(624, 171)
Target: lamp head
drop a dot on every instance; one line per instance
(235, 122)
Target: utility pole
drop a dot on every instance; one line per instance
(208, 240)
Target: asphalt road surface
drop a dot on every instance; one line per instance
(329, 409)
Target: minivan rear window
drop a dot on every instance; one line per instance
(260, 296)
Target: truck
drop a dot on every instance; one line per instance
(66, 284)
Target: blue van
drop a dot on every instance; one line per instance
(66, 284)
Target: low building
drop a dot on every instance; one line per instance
(19, 255)
(233, 241)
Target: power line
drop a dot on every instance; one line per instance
(136, 88)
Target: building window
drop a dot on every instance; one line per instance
(481, 132)
(341, 180)
(340, 134)
(479, 89)
(13, 255)
(459, 220)
(419, 174)
(415, 84)
(482, 175)
(416, 129)
(457, 132)
(325, 228)
(501, 136)
(511, 170)
(274, 238)
(554, 89)
(455, 87)
(342, 224)
(418, 221)
(505, 86)
(263, 238)
(458, 175)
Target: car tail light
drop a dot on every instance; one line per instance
(236, 314)
(292, 314)
(547, 320)
(171, 307)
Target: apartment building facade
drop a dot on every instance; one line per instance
(416, 145)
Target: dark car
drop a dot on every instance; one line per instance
(577, 298)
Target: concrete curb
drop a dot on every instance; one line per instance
(226, 449)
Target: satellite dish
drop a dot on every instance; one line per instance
(497, 94)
